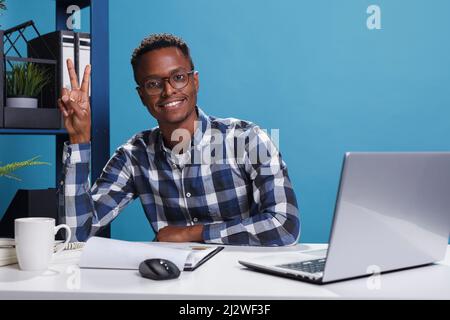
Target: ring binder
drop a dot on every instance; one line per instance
(63, 45)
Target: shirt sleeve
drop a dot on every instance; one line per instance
(88, 210)
(277, 223)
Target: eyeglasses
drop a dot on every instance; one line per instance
(179, 80)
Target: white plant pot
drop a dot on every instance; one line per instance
(22, 102)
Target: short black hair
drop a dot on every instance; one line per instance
(158, 41)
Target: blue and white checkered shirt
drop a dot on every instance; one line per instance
(232, 180)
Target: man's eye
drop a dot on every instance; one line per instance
(179, 77)
(153, 84)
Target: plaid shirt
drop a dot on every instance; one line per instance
(240, 198)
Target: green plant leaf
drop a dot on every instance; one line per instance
(26, 79)
(7, 170)
(11, 176)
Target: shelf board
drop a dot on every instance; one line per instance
(48, 132)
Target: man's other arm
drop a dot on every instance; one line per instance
(277, 222)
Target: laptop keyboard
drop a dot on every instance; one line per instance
(310, 266)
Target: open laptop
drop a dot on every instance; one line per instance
(392, 212)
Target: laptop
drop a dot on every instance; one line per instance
(392, 212)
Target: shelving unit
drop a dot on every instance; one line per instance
(99, 13)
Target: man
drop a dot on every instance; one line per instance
(189, 192)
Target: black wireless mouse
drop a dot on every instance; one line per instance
(159, 269)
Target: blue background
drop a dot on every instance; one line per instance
(309, 68)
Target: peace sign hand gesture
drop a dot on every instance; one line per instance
(75, 107)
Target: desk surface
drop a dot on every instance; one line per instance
(222, 277)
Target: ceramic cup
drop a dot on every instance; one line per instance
(35, 242)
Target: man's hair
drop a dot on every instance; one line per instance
(158, 41)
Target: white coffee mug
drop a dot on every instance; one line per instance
(35, 242)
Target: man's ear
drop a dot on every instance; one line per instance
(196, 81)
(138, 89)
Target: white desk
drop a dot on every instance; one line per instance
(222, 277)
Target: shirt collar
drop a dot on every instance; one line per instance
(203, 126)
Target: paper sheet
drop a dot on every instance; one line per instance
(117, 254)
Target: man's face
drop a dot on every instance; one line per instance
(171, 106)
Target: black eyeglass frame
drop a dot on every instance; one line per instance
(168, 80)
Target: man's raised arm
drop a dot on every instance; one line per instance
(87, 209)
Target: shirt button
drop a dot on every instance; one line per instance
(188, 194)
(195, 219)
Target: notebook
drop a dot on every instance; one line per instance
(102, 253)
(199, 253)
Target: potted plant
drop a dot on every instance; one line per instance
(6, 170)
(24, 83)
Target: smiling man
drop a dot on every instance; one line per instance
(199, 178)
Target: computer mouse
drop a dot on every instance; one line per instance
(158, 269)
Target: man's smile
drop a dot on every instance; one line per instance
(172, 103)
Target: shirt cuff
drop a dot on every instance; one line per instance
(77, 153)
(211, 232)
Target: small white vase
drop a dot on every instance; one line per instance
(22, 102)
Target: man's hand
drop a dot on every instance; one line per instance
(180, 234)
(75, 107)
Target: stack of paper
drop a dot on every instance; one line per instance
(7, 252)
(71, 252)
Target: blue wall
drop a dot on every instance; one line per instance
(310, 68)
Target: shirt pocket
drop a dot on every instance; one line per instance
(227, 191)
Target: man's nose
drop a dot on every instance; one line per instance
(167, 89)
